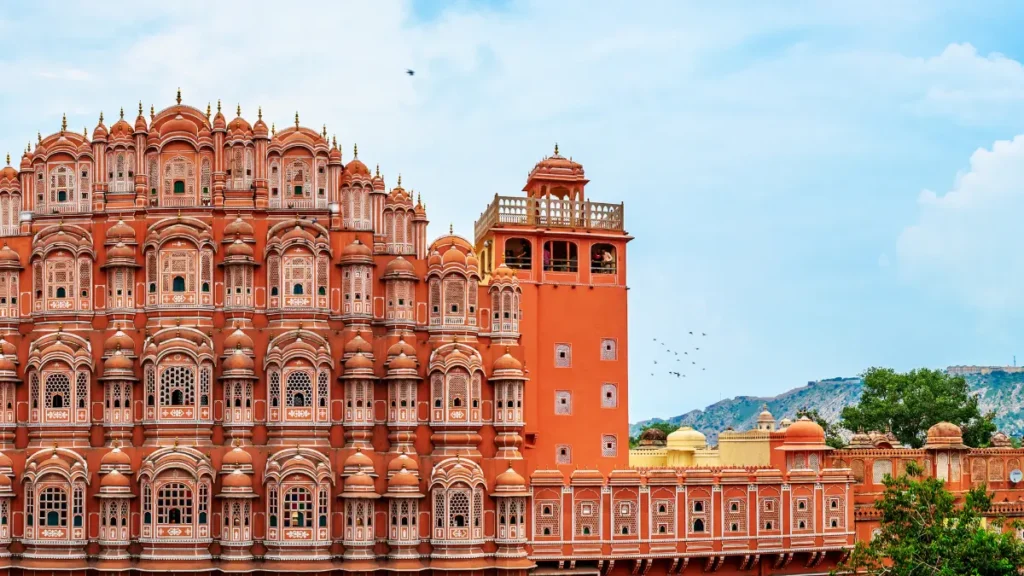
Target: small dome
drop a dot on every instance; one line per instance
(5, 461)
(1000, 440)
(238, 227)
(453, 256)
(805, 431)
(9, 256)
(56, 460)
(399, 266)
(237, 479)
(401, 347)
(240, 126)
(140, 122)
(358, 345)
(5, 483)
(403, 479)
(8, 173)
(8, 349)
(118, 362)
(507, 362)
(334, 155)
(116, 457)
(121, 129)
(402, 362)
(453, 240)
(6, 364)
(237, 457)
(120, 251)
(239, 249)
(238, 361)
(944, 435)
(686, 438)
(434, 259)
(237, 339)
(121, 231)
(297, 233)
(358, 362)
(100, 132)
(509, 479)
(356, 250)
(765, 417)
(114, 479)
(180, 124)
(356, 168)
(359, 482)
(358, 460)
(119, 341)
(403, 461)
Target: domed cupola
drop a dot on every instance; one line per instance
(9, 259)
(239, 128)
(259, 129)
(99, 134)
(219, 123)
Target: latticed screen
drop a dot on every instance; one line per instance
(298, 508)
(322, 388)
(58, 390)
(563, 454)
(609, 445)
(835, 512)
(299, 390)
(769, 515)
(882, 467)
(736, 515)
(563, 356)
(548, 518)
(802, 514)
(624, 518)
(609, 396)
(174, 504)
(60, 280)
(177, 386)
(563, 402)
(53, 507)
(275, 388)
(298, 275)
(663, 516)
(82, 390)
(178, 272)
(587, 518)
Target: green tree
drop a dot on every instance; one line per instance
(660, 425)
(925, 531)
(910, 403)
(832, 437)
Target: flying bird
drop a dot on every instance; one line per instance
(703, 334)
(691, 332)
(698, 348)
(410, 72)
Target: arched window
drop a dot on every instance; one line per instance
(53, 507)
(560, 256)
(298, 508)
(178, 284)
(62, 292)
(698, 525)
(603, 259)
(299, 389)
(518, 254)
(174, 503)
(179, 186)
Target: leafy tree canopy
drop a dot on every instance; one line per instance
(924, 531)
(832, 437)
(910, 403)
(663, 426)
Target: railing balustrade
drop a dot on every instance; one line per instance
(550, 213)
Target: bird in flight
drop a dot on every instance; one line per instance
(410, 72)
(703, 334)
(691, 332)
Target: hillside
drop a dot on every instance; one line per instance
(1000, 391)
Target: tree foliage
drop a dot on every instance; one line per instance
(910, 403)
(832, 437)
(665, 427)
(925, 531)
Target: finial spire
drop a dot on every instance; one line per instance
(355, 150)
(101, 116)
(39, 136)
(85, 132)
(178, 97)
(296, 118)
(399, 180)
(218, 105)
(273, 129)
(8, 158)
(207, 110)
(63, 123)
(377, 172)
(238, 109)
(122, 112)
(451, 228)
(140, 107)
(152, 112)
(259, 113)
(334, 140)
(556, 148)
(325, 131)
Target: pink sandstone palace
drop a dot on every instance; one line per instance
(228, 348)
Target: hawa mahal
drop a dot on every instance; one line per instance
(229, 348)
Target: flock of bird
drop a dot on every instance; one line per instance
(674, 355)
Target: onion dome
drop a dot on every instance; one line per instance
(237, 457)
(358, 462)
(219, 123)
(236, 481)
(116, 459)
(403, 484)
(100, 132)
(121, 128)
(356, 253)
(401, 347)
(8, 173)
(114, 479)
(6, 486)
(765, 417)
(452, 256)
(399, 268)
(238, 227)
(334, 155)
(434, 260)
(472, 261)
(26, 160)
(119, 341)
(238, 365)
(686, 439)
(945, 436)
(9, 259)
(804, 434)
(297, 233)
(557, 167)
(785, 423)
(452, 240)
(140, 121)
(1000, 440)
(509, 483)
(378, 181)
(118, 366)
(238, 339)
(403, 461)
(239, 127)
(653, 438)
(356, 166)
(503, 272)
(259, 129)
(120, 232)
(8, 370)
(120, 251)
(358, 366)
(507, 367)
(239, 250)
(358, 345)
(359, 485)
(5, 462)
(8, 349)
(403, 367)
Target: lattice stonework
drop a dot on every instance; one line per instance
(835, 512)
(177, 386)
(609, 349)
(563, 454)
(663, 517)
(609, 396)
(563, 355)
(609, 445)
(803, 513)
(736, 515)
(769, 515)
(588, 518)
(700, 513)
(548, 518)
(624, 518)
(563, 402)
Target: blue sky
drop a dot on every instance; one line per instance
(821, 187)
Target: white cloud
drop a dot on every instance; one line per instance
(969, 240)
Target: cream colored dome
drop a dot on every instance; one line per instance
(686, 438)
